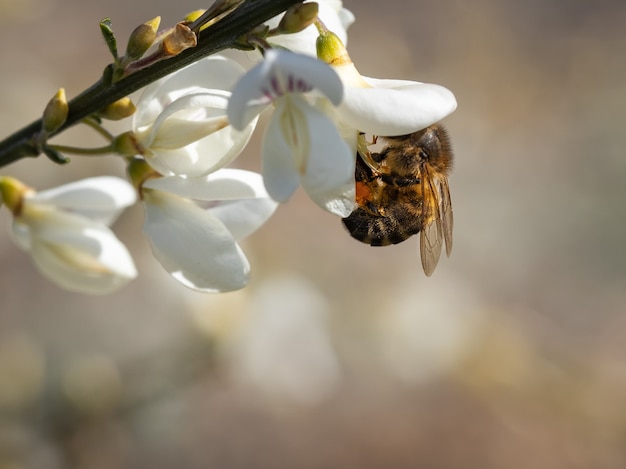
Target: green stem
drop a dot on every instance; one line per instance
(221, 35)
(98, 128)
(105, 150)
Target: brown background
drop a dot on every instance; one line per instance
(340, 355)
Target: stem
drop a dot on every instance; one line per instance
(98, 151)
(98, 128)
(221, 35)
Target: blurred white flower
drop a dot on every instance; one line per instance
(331, 12)
(420, 344)
(65, 230)
(198, 246)
(301, 144)
(284, 349)
(181, 126)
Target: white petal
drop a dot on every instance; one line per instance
(305, 72)
(280, 171)
(99, 198)
(204, 156)
(214, 72)
(281, 72)
(74, 252)
(329, 176)
(244, 216)
(188, 119)
(192, 245)
(303, 145)
(395, 107)
(225, 184)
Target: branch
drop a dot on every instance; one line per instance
(221, 35)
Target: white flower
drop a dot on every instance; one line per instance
(301, 144)
(65, 231)
(331, 12)
(181, 122)
(198, 246)
(390, 107)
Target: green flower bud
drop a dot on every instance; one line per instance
(55, 114)
(118, 110)
(330, 49)
(12, 192)
(193, 16)
(142, 38)
(297, 18)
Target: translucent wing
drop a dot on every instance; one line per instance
(432, 232)
(445, 210)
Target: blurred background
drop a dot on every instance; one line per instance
(337, 355)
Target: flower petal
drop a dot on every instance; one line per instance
(74, 252)
(395, 107)
(192, 245)
(280, 172)
(214, 72)
(281, 72)
(187, 119)
(203, 156)
(99, 198)
(329, 176)
(225, 184)
(309, 151)
(244, 216)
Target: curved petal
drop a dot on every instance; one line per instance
(186, 120)
(214, 72)
(192, 245)
(302, 145)
(225, 184)
(76, 253)
(395, 107)
(279, 167)
(243, 216)
(100, 199)
(281, 72)
(329, 176)
(302, 73)
(203, 156)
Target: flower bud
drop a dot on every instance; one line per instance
(142, 38)
(55, 114)
(118, 110)
(297, 18)
(330, 49)
(193, 16)
(12, 192)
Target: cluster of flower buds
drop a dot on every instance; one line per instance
(189, 126)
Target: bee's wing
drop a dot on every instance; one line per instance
(433, 232)
(445, 211)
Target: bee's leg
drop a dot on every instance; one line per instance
(370, 160)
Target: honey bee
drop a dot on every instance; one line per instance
(402, 191)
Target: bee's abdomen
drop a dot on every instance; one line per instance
(377, 231)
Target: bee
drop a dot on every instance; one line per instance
(403, 190)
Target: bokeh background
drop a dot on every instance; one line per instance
(337, 355)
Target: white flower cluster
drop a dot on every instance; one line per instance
(188, 127)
